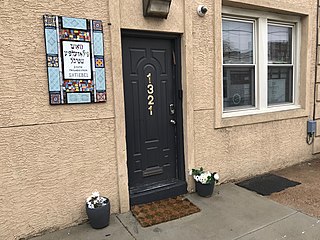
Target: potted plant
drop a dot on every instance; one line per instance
(205, 181)
(98, 210)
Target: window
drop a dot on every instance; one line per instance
(260, 55)
(238, 63)
(280, 67)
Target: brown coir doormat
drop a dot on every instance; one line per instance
(164, 210)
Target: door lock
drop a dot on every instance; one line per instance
(171, 109)
(173, 122)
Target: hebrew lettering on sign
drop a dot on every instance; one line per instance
(75, 60)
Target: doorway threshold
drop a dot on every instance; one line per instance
(157, 191)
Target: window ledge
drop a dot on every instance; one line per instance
(246, 112)
(246, 117)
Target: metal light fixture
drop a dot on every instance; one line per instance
(156, 8)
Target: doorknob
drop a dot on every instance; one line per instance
(173, 122)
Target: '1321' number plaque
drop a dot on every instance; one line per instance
(150, 92)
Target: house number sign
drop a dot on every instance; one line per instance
(150, 92)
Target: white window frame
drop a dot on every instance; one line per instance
(262, 20)
(254, 59)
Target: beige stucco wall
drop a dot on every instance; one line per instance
(243, 146)
(131, 14)
(316, 144)
(45, 160)
(52, 157)
(47, 172)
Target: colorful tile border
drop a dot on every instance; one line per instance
(51, 41)
(55, 98)
(97, 25)
(98, 43)
(78, 97)
(49, 21)
(74, 23)
(54, 79)
(52, 60)
(78, 86)
(101, 96)
(99, 62)
(66, 91)
(77, 35)
(100, 79)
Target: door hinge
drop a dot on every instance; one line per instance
(174, 58)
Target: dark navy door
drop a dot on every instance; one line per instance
(151, 117)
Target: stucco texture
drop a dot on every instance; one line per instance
(50, 171)
(132, 17)
(248, 145)
(243, 151)
(316, 145)
(52, 157)
(204, 58)
(24, 86)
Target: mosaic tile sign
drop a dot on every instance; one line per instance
(75, 60)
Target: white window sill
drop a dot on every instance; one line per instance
(253, 116)
(246, 112)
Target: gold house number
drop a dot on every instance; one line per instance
(150, 91)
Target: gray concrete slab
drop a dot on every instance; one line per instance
(233, 213)
(295, 227)
(230, 213)
(115, 231)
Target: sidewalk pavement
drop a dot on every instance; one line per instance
(232, 213)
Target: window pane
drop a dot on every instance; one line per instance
(238, 87)
(280, 85)
(279, 44)
(237, 42)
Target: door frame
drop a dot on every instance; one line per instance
(176, 42)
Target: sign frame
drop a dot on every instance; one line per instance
(60, 33)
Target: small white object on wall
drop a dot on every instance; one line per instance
(202, 10)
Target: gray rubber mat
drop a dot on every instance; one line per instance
(267, 184)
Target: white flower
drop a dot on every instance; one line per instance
(90, 205)
(204, 177)
(95, 194)
(96, 201)
(216, 176)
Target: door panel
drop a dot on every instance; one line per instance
(149, 89)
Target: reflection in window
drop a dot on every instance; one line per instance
(279, 44)
(237, 42)
(238, 87)
(238, 64)
(279, 85)
(260, 56)
(280, 66)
